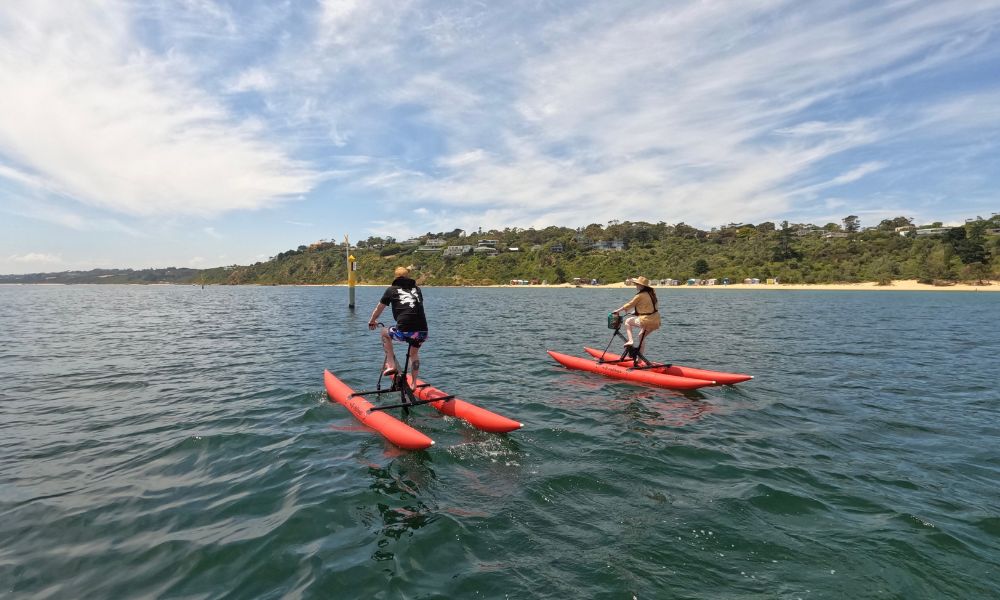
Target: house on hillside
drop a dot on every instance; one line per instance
(933, 231)
(804, 231)
(608, 245)
(452, 251)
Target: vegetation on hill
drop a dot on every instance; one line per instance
(791, 252)
(794, 253)
(168, 275)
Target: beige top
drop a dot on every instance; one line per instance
(642, 303)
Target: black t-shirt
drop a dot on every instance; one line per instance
(407, 303)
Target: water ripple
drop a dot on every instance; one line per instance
(176, 442)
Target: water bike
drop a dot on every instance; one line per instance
(411, 392)
(632, 365)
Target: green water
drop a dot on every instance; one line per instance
(175, 442)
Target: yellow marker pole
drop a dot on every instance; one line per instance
(351, 268)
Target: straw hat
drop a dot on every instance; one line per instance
(639, 280)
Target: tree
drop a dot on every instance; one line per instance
(560, 274)
(892, 224)
(852, 224)
(969, 250)
(686, 231)
(783, 249)
(700, 266)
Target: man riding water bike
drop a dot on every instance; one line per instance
(407, 303)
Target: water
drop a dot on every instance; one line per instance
(176, 442)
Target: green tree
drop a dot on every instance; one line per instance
(700, 266)
(852, 224)
(892, 224)
(560, 274)
(783, 248)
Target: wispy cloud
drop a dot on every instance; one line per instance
(58, 213)
(682, 112)
(115, 126)
(37, 258)
(478, 115)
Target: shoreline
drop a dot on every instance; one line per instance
(900, 285)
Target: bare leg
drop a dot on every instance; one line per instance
(642, 344)
(629, 324)
(390, 358)
(414, 362)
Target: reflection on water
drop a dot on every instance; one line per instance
(400, 485)
(654, 409)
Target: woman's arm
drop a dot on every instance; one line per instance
(628, 305)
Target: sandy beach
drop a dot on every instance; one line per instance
(902, 285)
(907, 285)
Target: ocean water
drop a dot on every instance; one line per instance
(177, 442)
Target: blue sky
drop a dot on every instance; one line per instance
(200, 133)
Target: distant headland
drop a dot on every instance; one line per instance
(895, 254)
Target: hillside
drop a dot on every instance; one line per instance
(167, 275)
(794, 253)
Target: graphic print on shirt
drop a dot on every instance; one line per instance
(409, 297)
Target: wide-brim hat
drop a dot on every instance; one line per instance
(639, 280)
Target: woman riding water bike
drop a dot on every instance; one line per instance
(646, 316)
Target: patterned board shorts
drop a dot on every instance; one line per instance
(413, 338)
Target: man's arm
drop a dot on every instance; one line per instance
(375, 313)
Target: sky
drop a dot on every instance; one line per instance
(200, 133)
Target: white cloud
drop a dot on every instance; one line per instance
(36, 258)
(112, 125)
(691, 112)
(58, 213)
(254, 79)
(550, 114)
(858, 172)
